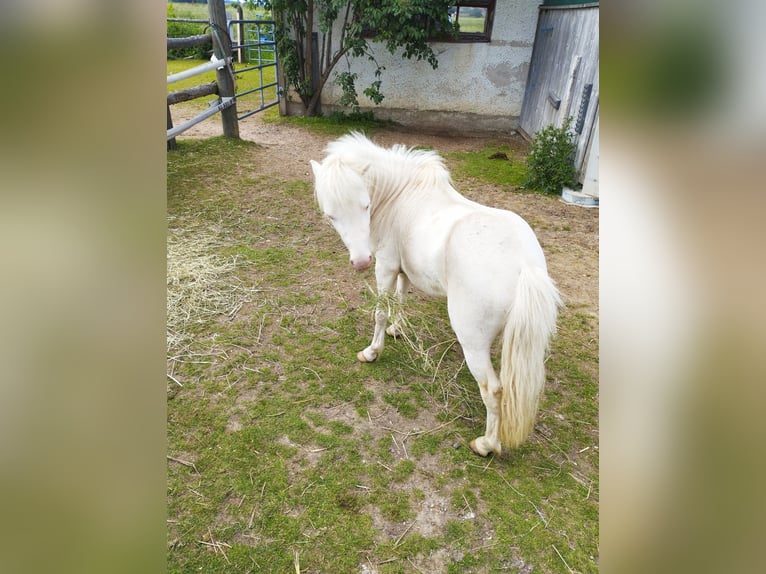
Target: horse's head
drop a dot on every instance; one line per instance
(343, 198)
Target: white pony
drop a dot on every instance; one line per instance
(399, 204)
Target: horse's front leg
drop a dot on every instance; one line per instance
(385, 277)
(402, 285)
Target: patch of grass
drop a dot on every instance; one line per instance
(402, 470)
(430, 444)
(403, 403)
(505, 169)
(394, 505)
(363, 398)
(463, 500)
(336, 124)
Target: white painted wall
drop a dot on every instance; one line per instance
(477, 85)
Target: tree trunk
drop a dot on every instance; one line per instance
(310, 108)
(310, 105)
(308, 62)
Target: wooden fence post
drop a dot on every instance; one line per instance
(172, 141)
(224, 76)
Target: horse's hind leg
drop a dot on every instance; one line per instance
(476, 326)
(480, 365)
(402, 285)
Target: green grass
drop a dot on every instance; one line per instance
(199, 11)
(336, 124)
(508, 173)
(294, 457)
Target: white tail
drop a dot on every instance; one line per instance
(528, 330)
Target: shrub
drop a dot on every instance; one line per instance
(550, 161)
(182, 30)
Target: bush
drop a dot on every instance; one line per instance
(183, 30)
(550, 162)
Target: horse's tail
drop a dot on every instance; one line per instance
(528, 330)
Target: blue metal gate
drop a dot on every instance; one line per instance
(255, 48)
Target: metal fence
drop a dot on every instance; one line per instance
(255, 51)
(256, 48)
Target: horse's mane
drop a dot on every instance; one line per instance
(397, 178)
(424, 168)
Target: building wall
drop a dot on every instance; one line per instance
(477, 86)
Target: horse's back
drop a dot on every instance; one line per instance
(489, 238)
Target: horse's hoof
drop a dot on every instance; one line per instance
(363, 359)
(472, 444)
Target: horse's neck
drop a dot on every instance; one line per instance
(396, 200)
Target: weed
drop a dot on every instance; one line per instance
(551, 159)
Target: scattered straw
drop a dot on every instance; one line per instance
(415, 328)
(183, 462)
(562, 558)
(428, 339)
(406, 530)
(201, 283)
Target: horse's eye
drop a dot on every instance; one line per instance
(367, 208)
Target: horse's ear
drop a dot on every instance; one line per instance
(314, 167)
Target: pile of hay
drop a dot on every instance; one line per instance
(201, 284)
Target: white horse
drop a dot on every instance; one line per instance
(399, 204)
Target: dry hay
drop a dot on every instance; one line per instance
(201, 283)
(428, 340)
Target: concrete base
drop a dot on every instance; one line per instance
(430, 121)
(578, 198)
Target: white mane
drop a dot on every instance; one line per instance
(396, 178)
(422, 168)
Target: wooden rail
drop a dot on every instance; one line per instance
(192, 93)
(189, 42)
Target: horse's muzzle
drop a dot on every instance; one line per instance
(361, 263)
